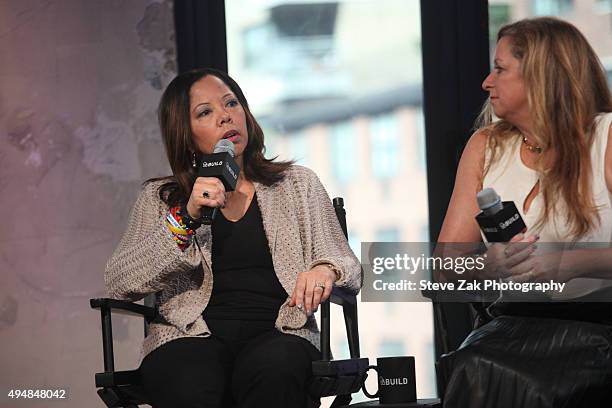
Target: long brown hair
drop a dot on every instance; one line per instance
(174, 122)
(566, 88)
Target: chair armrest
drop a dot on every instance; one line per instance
(348, 301)
(339, 377)
(106, 307)
(342, 296)
(124, 307)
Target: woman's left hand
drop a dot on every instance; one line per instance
(312, 287)
(543, 268)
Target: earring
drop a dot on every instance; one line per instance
(194, 163)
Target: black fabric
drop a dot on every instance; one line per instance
(529, 362)
(245, 285)
(594, 312)
(244, 364)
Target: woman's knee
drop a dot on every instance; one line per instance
(188, 373)
(277, 360)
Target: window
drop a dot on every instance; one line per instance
(391, 348)
(420, 142)
(603, 6)
(299, 148)
(343, 151)
(384, 140)
(389, 234)
(499, 14)
(354, 242)
(607, 64)
(337, 82)
(551, 7)
(256, 40)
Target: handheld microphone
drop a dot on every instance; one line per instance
(499, 220)
(219, 164)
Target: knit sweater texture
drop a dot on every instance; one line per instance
(302, 231)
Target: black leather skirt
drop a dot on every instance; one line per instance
(533, 356)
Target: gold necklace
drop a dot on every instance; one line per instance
(530, 147)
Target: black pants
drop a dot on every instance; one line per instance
(243, 364)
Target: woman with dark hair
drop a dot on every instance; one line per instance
(236, 299)
(550, 152)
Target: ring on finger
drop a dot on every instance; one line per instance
(206, 194)
(320, 285)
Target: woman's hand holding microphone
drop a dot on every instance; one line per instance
(206, 192)
(312, 287)
(504, 260)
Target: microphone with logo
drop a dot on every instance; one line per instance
(219, 164)
(499, 220)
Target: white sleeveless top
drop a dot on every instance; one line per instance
(513, 181)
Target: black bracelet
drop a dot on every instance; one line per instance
(191, 223)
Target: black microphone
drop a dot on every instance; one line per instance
(219, 164)
(499, 221)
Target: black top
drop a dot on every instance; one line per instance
(245, 284)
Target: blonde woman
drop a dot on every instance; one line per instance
(549, 152)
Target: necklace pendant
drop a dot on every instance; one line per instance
(530, 147)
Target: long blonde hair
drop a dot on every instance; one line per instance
(566, 88)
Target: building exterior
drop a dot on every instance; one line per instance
(337, 86)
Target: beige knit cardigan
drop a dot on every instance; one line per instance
(302, 231)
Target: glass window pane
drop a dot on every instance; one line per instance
(298, 145)
(343, 151)
(551, 7)
(384, 138)
(337, 84)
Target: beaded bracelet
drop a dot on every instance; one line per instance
(181, 234)
(191, 223)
